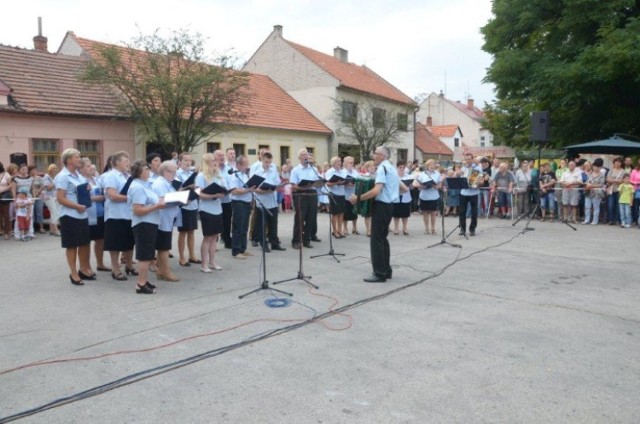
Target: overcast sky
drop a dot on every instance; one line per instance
(420, 47)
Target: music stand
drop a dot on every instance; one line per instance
(264, 285)
(459, 183)
(331, 253)
(300, 275)
(444, 202)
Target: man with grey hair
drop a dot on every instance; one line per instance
(386, 191)
(305, 199)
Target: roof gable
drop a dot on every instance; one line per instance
(445, 130)
(429, 143)
(48, 83)
(355, 77)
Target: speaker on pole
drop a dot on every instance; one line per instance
(540, 126)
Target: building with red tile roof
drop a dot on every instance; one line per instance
(429, 145)
(323, 83)
(445, 112)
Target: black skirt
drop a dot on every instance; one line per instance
(401, 210)
(97, 231)
(211, 224)
(336, 205)
(163, 240)
(189, 220)
(349, 212)
(74, 232)
(145, 235)
(428, 205)
(118, 236)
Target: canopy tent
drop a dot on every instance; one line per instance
(544, 154)
(615, 145)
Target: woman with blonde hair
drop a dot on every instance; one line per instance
(210, 210)
(49, 197)
(161, 186)
(337, 198)
(428, 182)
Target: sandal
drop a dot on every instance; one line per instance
(433, 232)
(76, 283)
(184, 264)
(355, 232)
(405, 232)
(146, 289)
(195, 261)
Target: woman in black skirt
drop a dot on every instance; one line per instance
(145, 217)
(168, 215)
(210, 212)
(336, 200)
(95, 212)
(74, 222)
(402, 208)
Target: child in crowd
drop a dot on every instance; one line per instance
(23, 213)
(624, 201)
(288, 199)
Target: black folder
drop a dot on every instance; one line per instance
(214, 188)
(189, 181)
(408, 183)
(255, 181)
(335, 179)
(84, 195)
(176, 184)
(311, 183)
(428, 184)
(267, 186)
(125, 189)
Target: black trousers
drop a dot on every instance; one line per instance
(226, 223)
(380, 251)
(473, 202)
(306, 205)
(270, 226)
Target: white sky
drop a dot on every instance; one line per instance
(412, 44)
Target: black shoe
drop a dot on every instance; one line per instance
(146, 289)
(86, 277)
(76, 283)
(131, 271)
(267, 249)
(472, 233)
(308, 245)
(461, 233)
(389, 275)
(375, 279)
(277, 247)
(316, 239)
(119, 277)
(295, 245)
(227, 246)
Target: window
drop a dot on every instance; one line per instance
(379, 117)
(212, 146)
(263, 146)
(482, 144)
(90, 149)
(45, 152)
(456, 142)
(310, 150)
(482, 138)
(284, 154)
(403, 155)
(239, 148)
(402, 121)
(349, 111)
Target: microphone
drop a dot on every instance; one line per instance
(232, 171)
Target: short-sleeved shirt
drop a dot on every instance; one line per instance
(303, 172)
(169, 214)
(182, 176)
(429, 193)
(238, 180)
(140, 193)
(271, 176)
(350, 189)
(467, 170)
(626, 193)
(406, 196)
(212, 206)
(387, 175)
(503, 180)
(97, 208)
(224, 172)
(46, 182)
(574, 177)
(337, 190)
(69, 182)
(115, 210)
(23, 182)
(546, 178)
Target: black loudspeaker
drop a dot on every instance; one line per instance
(18, 158)
(540, 126)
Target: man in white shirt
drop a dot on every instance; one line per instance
(571, 182)
(268, 200)
(305, 199)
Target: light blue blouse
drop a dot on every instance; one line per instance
(169, 214)
(140, 193)
(115, 210)
(429, 193)
(67, 181)
(212, 206)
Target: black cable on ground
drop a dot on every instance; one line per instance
(152, 372)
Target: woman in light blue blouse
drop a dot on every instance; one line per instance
(145, 217)
(428, 182)
(168, 217)
(95, 212)
(74, 222)
(210, 212)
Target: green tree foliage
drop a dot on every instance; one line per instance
(578, 59)
(168, 85)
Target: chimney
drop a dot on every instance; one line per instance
(39, 41)
(470, 103)
(341, 54)
(277, 29)
(429, 121)
(441, 95)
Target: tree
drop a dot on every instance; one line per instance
(171, 89)
(369, 124)
(580, 60)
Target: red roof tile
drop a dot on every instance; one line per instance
(473, 112)
(48, 83)
(444, 130)
(268, 105)
(429, 143)
(353, 76)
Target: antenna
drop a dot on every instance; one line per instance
(40, 26)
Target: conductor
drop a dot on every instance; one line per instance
(386, 191)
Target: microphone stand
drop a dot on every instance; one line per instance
(300, 275)
(331, 253)
(444, 238)
(264, 285)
